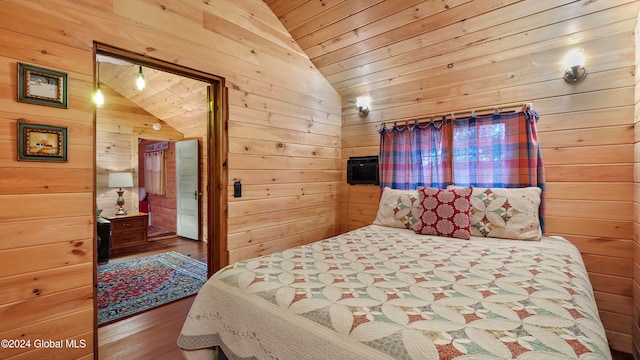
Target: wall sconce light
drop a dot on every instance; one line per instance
(574, 66)
(362, 103)
(98, 98)
(140, 83)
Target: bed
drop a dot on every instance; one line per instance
(385, 291)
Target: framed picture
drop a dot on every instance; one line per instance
(41, 86)
(42, 142)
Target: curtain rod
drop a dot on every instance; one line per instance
(472, 112)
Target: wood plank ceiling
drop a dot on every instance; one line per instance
(176, 101)
(378, 47)
(383, 48)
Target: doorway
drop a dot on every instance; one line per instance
(212, 136)
(170, 191)
(214, 144)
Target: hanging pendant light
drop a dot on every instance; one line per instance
(98, 98)
(140, 83)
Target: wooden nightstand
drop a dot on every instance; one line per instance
(128, 232)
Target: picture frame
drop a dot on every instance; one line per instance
(41, 142)
(42, 86)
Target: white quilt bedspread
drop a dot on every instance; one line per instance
(387, 293)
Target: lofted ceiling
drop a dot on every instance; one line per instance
(383, 48)
(177, 101)
(359, 45)
(380, 48)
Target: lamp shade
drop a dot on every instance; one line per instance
(574, 58)
(363, 101)
(120, 179)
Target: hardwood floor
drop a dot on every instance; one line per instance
(194, 249)
(151, 334)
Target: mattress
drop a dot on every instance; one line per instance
(380, 292)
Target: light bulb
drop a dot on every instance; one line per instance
(362, 103)
(574, 58)
(140, 83)
(98, 97)
(574, 69)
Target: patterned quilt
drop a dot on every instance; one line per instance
(388, 293)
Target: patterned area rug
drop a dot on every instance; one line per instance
(130, 287)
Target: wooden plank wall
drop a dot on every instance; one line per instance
(586, 129)
(636, 204)
(284, 142)
(119, 124)
(163, 214)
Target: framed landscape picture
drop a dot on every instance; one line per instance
(41, 86)
(42, 142)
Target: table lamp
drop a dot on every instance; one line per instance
(120, 180)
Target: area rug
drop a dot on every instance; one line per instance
(129, 287)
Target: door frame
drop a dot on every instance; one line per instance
(217, 155)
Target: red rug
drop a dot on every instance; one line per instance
(129, 287)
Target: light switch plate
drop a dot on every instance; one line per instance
(237, 189)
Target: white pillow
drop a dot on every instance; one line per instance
(506, 213)
(398, 208)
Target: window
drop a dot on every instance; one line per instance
(155, 177)
(499, 150)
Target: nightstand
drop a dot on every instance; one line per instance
(128, 232)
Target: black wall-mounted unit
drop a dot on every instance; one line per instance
(363, 170)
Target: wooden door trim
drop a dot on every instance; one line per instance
(218, 201)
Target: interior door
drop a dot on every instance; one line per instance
(188, 195)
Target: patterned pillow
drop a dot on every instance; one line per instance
(444, 212)
(397, 208)
(506, 213)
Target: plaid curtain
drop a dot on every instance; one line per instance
(415, 155)
(500, 150)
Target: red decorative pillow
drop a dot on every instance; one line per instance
(444, 212)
